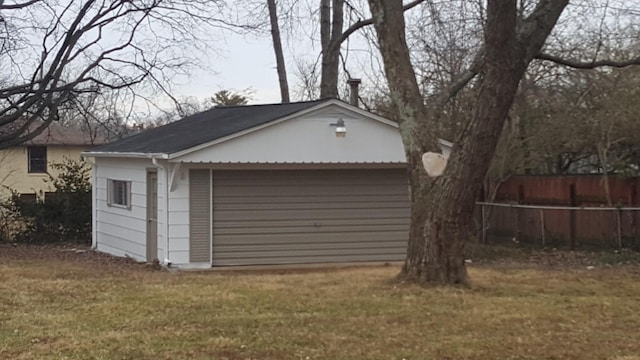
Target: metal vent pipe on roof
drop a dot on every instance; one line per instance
(354, 95)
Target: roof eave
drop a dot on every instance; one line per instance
(133, 155)
(362, 112)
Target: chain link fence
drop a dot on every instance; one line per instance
(560, 226)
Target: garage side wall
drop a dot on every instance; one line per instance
(123, 231)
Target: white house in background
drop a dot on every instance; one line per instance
(307, 182)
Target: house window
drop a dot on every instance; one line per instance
(28, 198)
(119, 193)
(37, 159)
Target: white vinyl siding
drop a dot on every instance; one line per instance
(179, 218)
(122, 231)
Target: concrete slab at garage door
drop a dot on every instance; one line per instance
(309, 216)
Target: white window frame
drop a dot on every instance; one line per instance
(111, 194)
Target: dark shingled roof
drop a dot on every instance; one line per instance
(203, 127)
(57, 134)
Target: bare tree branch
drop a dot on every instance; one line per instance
(362, 23)
(589, 64)
(147, 39)
(458, 83)
(17, 6)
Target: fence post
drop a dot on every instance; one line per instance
(542, 227)
(484, 225)
(573, 214)
(518, 212)
(619, 218)
(633, 201)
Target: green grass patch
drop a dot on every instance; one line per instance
(66, 310)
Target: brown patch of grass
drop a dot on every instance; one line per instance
(77, 310)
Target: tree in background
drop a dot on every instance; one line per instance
(229, 98)
(281, 66)
(334, 20)
(56, 54)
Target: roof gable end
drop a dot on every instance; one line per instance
(200, 128)
(317, 108)
(308, 136)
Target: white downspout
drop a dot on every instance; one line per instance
(94, 211)
(165, 217)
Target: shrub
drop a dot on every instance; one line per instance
(63, 215)
(11, 223)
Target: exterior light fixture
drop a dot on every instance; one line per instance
(341, 129)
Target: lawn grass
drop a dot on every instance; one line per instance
(67, 310)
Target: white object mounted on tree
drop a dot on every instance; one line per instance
(436, 163)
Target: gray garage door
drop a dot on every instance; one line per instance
(311, 216)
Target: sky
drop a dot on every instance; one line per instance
(240, 63)
(244, 64)
(248, 62)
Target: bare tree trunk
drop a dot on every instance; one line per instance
(332, 37)
(277, 48)
(604, 163)
(442, 209)
(331, 24)
(325, 34)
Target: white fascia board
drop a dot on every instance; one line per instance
(442, 142)
(283, 119)
(362, 112)
(97, 154)
(292, 162)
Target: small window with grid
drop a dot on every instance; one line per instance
(119, 193)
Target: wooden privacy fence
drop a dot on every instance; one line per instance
(570, 190)
(560, 226)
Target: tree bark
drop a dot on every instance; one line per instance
(442, 208)
(277, 48)
(331, 24)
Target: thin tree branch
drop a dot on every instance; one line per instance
(453, 88)
(587, 65)
(17, 6)
(74, 58)
(362, 23)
